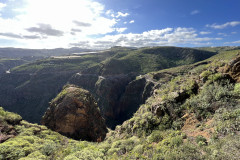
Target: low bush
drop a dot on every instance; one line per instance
(210, 99)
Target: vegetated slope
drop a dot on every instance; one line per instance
(195, 115)
(113, 82)
(145, 60)
(29, 88)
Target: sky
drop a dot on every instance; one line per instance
(101, 24)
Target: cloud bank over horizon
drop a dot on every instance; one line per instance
(90, 24)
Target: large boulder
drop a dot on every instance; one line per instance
(74, 113)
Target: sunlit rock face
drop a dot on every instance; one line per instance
(74, 113)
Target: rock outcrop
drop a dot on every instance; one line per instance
(6, 131)
(233, 69)
(74, 113)
(8, 121)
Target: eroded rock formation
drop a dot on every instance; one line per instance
(74, 113)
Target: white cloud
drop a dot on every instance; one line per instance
(120, 30)
(132, 21)
(204, 33)
(125, 22)
(233, 32)
(222, 26)
(85, 23)
(116, 14)
(222, 34)
(234, 42)
(120, 14)
(195, 12)
(70, 19)
(110, 13)
(167, 36)
(2, 5)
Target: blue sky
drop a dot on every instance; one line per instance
(102, 24)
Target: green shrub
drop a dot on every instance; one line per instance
(156, 136)
(177, 124)
(205, 74)
(49, 148)
(185, 151)
(35, 155)
(215, 77)
(210, 99)
(227, 120)
(237, 89)
(120, 147)
(10, 117)
(224, 148)
(201, 141)
(15, 148)
(86, 154)
(139, 149)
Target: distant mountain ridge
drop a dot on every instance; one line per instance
(20, 52)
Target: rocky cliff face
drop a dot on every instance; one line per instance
(136, 93)
(118, 96)
(74, 113)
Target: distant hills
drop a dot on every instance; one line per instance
(20, 53)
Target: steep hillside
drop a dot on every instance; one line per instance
(107, 75)
(146, 60)
(113, 82)
(193, 113)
